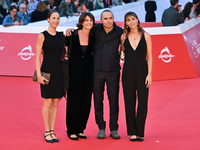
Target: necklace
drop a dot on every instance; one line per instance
(134, 41)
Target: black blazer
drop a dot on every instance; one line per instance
(80, 64)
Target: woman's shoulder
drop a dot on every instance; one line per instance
(8, 16)
(123, 36)
(34, 12)
(43, 32)
(41, 36)
(46, 11)
(146, 34)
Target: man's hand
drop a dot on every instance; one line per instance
(179, 8)
(77, 14)
(69, 31)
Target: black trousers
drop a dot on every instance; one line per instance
(112, 82)
(133, 82)
(78, 106)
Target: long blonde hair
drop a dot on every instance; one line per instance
(126, 28)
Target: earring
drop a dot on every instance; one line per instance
(126, 26)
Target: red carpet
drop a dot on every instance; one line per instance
(172, 124)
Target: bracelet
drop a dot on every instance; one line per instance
(149, 73)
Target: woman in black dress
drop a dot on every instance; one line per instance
(81, 77)
(136, 76)
(50, 42)
(150, 7)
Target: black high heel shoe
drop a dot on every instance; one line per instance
(140, 139)
(45, 135)
(82, 136)
(73, 138)
(133, 139)
(54, 139)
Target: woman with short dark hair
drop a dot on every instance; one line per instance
(81, 76)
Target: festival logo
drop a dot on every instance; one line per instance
(165, 55)
(26, 53)
(195, 48)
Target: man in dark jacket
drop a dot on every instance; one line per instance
(173, 15)
(107, 70)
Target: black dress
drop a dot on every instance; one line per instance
(52, 47)
(80, 85)
(134, 75)
(150, 7)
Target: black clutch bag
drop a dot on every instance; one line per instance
(43, 74)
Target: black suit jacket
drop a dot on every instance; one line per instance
(106, 55)
(80, 64)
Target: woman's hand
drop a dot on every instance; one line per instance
(16, 23)
(148, 80)
(42, 80)
(21, 22)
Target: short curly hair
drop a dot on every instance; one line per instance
(82, 19)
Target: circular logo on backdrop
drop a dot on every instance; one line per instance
(165, 55)
(26, 53)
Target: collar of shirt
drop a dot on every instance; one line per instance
(173, 8)
(113, 30)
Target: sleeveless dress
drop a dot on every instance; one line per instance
(52, 47)
(134, 74)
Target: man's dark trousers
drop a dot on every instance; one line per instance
(112, 82)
